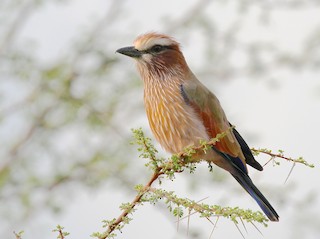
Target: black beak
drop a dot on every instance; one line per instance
(130, 51)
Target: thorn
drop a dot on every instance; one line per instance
(214, 227)
(294, 164)
(188, 224)
(178, 222)
(256, 228)
(239, 230)
(244, 226)
(268, 161)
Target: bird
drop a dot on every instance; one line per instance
(182, 111)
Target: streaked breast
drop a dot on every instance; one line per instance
(174, 123)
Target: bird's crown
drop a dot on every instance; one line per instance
(148, 40)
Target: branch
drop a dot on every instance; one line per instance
(127, 209)
(207, 211)
(281, 155)
(176, 164)
(169, 167)
(61, 233)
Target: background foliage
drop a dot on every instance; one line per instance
(67, 104)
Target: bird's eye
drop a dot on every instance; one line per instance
(156, 48)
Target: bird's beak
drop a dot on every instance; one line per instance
(130, 51)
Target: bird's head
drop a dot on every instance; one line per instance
(156, 55)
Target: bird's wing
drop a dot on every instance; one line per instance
(208, 107)
(233, 149)
(247, 151)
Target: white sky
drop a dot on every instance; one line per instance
(285, 118)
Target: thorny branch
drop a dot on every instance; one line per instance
(176, 164)
(61, 233)
(280, 155)
(129, 209)
(26, 12)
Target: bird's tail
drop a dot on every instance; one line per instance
(239, 172)
(248, 185)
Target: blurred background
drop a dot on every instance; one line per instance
(68, 102)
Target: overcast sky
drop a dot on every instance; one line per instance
(282, 113)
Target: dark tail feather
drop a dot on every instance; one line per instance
(248, 185)
(247, 151)
(239, 172)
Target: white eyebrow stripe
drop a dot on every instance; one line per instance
(141, 46)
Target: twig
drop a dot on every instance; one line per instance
(18, 235)
(13, 152)
(61, 233)
(280, 155)
(16, 25)
(126, 211)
